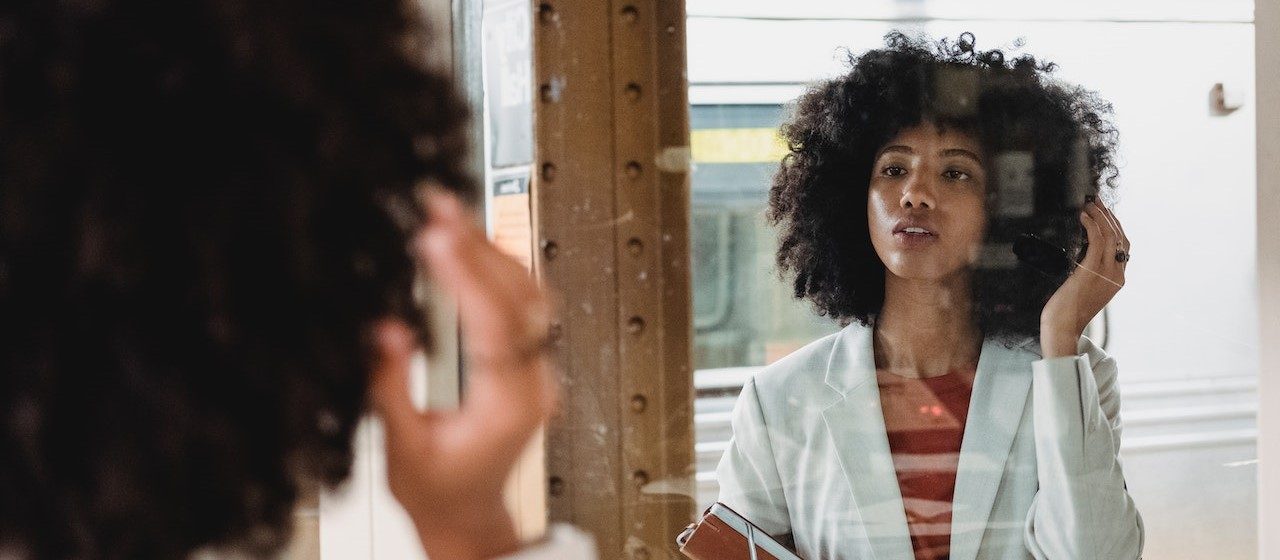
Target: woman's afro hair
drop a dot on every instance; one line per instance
(819, 193)
(204, 209)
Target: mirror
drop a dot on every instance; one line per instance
(920, 439)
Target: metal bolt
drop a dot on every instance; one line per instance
(630, 14)
(635, 247)
(633, 170)
(639, 403)
(544, 93)
(550, 249)
(548, 172)
(547, 14)
(633, 91)
(635, 325)
(555, 486)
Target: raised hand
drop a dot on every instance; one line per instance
(1090, 286)
(448, 468)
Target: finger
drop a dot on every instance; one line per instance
(1093, 255)
(1099, 214)
(1107, 240)
(1124, 238)
(467, 257)
(1114, 267)
(498, 300)
(500, 310)
(394, 345)
(512, 281)
(1105, 268)
(1108, 222)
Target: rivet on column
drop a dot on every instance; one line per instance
(550, 249)
(640, 477)
(633, 91)
(630, 14)
(547, 14)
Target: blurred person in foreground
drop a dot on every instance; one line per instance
(211, 221)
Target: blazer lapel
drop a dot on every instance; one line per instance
(995, 411)
(856, 424)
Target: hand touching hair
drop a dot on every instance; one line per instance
(195, 251)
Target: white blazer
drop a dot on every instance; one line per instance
(563, 542)
(1039, 476)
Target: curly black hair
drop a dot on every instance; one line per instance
(819, 194)
(204, 208)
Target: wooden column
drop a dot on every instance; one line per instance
(611, 212)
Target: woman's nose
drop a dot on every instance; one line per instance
(917, 192)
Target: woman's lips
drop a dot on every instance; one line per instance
(914, 240)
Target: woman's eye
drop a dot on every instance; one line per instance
(955, 175)
(894, 171)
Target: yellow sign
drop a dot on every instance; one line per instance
(737, 145)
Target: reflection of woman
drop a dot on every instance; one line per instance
(960, 414)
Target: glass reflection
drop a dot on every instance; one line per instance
(949, 206)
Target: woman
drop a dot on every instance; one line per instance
(960, 413)
(211, 224)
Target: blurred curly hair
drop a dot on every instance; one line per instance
(196, 235)
(819, 193)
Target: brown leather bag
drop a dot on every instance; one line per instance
(723, 534)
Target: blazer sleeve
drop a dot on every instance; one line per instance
(563, 542)
(748, 472)
(1082, 508)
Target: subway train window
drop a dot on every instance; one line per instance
(743, 316)
(893, 207)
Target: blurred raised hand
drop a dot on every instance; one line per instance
(448, 468)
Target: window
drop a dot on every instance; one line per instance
(1189, 439)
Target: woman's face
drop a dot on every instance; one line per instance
(936, 181)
